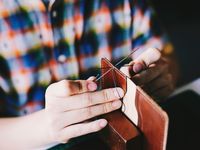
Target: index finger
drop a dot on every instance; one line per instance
(67, 88)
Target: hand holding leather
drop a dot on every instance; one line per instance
(150, 71)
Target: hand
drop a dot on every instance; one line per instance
(70, 103)
(150, 71)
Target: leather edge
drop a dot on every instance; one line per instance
(164, 115)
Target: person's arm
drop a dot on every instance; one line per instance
(24, 132)
(68, 105)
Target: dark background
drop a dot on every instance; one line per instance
(181, 19)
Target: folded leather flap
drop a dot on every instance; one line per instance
(153, 121)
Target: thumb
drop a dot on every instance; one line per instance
(150, 56)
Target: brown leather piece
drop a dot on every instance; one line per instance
(121, 133)
(152, 120)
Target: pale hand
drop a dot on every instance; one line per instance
(70, 103)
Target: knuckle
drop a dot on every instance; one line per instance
(81, 86)
(106, 95)
(65, 86)
(106, 107)
(88, 112)
(77, 86)
(87, 99)
(115, 93)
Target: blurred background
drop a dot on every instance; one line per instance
(181, 19)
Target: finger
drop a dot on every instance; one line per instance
(91, 98)
(163, 93)
(150, 56)
(81, 129)
(66, 88)
(92, 78)
(150, 73)
(161, 81)
(83, 114)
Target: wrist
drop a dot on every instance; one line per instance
(38, 129)
(44, 130)
(43, 127)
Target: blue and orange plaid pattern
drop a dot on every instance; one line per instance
(65, 40)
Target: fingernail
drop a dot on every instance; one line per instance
(92, 86)
(118, 92)
(137, 67)
(117, 104)
(103, 123)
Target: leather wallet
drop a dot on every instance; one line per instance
(141, 124)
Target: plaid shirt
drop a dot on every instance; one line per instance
(65, 40)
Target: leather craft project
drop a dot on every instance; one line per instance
(141, 124)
